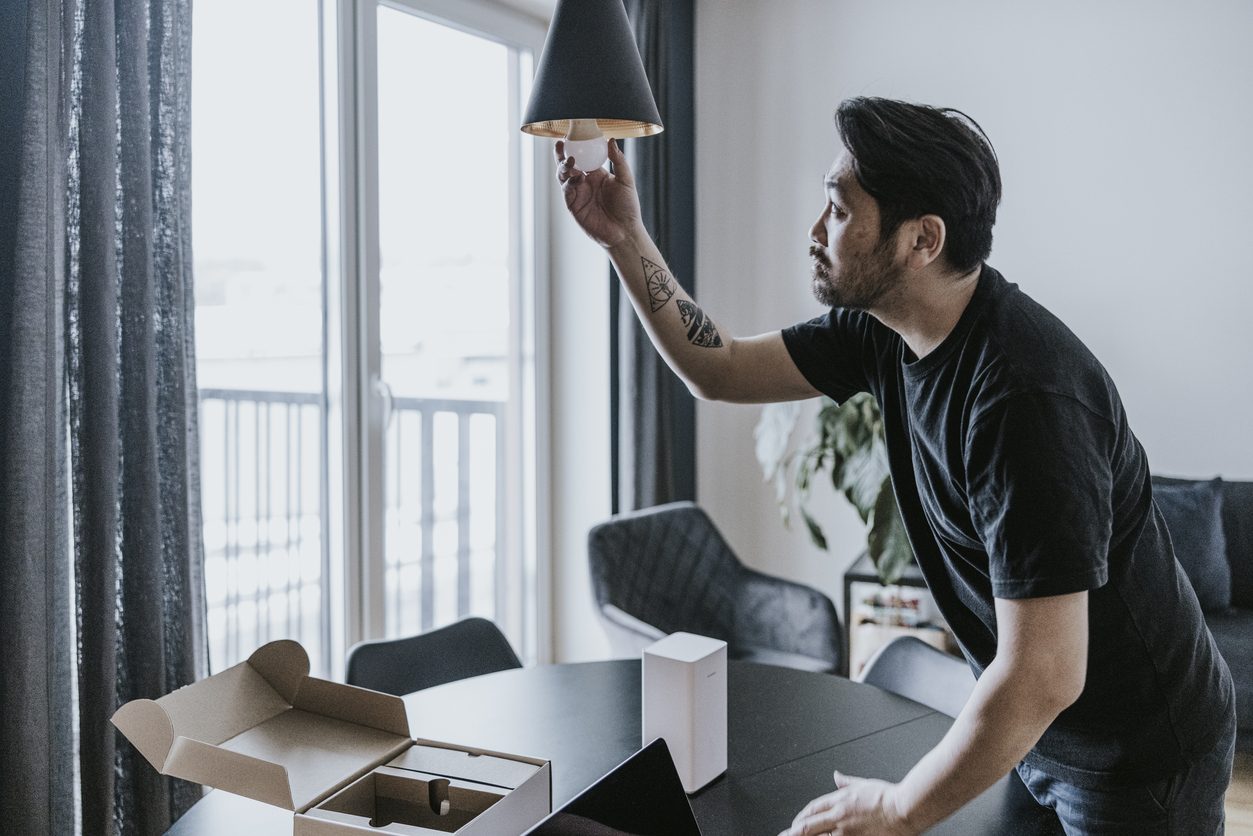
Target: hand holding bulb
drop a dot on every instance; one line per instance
(586, 144)
(605, 205)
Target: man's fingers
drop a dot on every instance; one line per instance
(566, 172)
(842, 780)
(818, 805)
(621, 170)
(814, 825)
(565, 165)
(819, 815)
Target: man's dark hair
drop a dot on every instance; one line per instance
(917, 160)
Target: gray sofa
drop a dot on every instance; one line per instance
(1232, 626)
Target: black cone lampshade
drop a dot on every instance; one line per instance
(591, 70)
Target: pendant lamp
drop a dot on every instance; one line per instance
(590, 85)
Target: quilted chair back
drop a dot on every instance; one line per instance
(669, 567)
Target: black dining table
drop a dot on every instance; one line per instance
(788, 731)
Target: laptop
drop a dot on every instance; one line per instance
(643, 796)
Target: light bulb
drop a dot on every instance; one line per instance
(586, 144)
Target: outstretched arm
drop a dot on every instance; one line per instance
(1039, 669)
(713, 364)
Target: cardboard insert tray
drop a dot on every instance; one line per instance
(339, 757)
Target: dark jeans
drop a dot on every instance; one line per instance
(1188, 804)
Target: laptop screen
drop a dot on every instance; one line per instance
(641, 797)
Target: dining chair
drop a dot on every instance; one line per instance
(667, 569)
(912, 668)
(466, 648)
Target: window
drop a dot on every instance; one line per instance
(364, 226)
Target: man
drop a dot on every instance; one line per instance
(1026, 497)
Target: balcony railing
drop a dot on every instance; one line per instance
(263, 493)
(445, 512)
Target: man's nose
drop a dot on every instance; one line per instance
(818, 232)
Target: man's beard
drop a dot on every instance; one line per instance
(862, 283)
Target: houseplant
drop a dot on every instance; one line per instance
(848, 440)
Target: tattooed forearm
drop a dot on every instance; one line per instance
(660, 285)
(701, 330)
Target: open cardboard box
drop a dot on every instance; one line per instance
(339, 757)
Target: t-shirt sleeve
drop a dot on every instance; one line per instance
(1039, 486)
(837, 352)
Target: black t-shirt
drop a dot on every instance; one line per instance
(1018, 476)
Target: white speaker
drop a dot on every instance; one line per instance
(685, 702)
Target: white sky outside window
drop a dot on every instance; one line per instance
(443, 209)
(256, 195)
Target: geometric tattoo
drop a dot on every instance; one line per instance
(660, 285)
(701, 330)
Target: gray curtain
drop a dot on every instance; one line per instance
(654, 414)
(36, 792)
(96, 348)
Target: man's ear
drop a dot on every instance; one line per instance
(926, 241)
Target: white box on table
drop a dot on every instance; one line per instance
(337, 756)
(684, 680)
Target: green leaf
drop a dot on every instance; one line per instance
(780, 496)
(815, 531)
(887, 542)
(773, 430)
(862, 476)
(803, 471)
(848, 439)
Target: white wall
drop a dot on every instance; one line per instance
(579, 410)
(1125, 135)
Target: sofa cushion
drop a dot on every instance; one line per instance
(1233, 633)
(1238, 524)
(1194, 517)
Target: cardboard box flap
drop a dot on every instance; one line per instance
(148, 727)
(319, 754)
(216, 709)
(146, 724)
(231, 771)
(506, 773)
(212, 711)
(284, 664)
(354, 705)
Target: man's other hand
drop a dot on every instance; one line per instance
(860, 807)
(605, 205)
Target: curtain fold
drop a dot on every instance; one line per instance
(655, 427)
(96, 348)
(36, 724)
